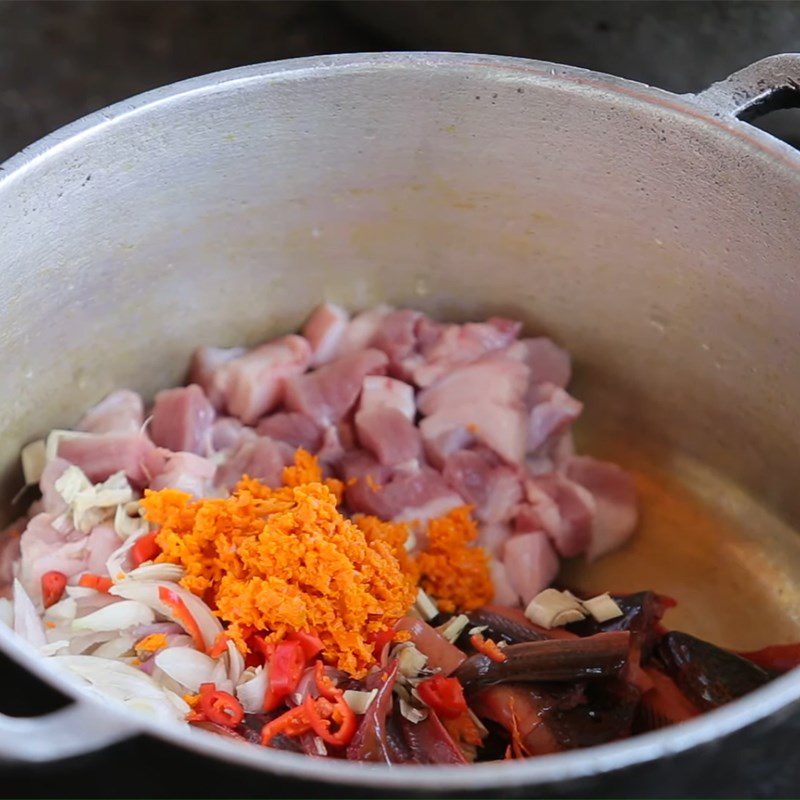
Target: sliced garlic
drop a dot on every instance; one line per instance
(410, 661)
(425, 606)
(411, 713)
(452, 629)
(552, 608)
(358, 701)
(34, 459)
(603, 607)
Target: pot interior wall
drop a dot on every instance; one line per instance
(654, 245)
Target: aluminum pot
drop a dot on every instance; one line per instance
(652, 234)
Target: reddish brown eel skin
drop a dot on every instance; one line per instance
(592, 657)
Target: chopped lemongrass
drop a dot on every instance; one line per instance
(358, 701)
(411, 713)
(453, 629)
(55, 437)
(425, 606)
(34, 460)
(410, 661)
(552, 608)
(478, 629)
(603, 607)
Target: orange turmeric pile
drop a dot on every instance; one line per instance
(454, 573)
(272, 561)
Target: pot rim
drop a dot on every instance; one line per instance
(777, 696)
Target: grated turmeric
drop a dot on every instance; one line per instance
(454, 573)
(283, 560)
(274, 561)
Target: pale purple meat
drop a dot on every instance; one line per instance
(572, 535)
(101, 455)
(324, 330)
(378, 391)
(187, 472)
(101, 542)
(389, 435)
(330, 392)
(501, 428)
(121, 411)
(416, 493)
(256, 456)
(504, 592)
(493, 488)
(530, 563)
(205, 369)
(44, 547)
(362, 329)
(444, 347)
(225, 433)
(552, 413)
(397, 337)
(52, 501)
(547, 362)
(293, 428)
(253, 384)
(492, 379)
(614, 495)
(182, 419)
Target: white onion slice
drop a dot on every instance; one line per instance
(62, 611)
(53, 648)
(187, 666)
(252, 689)
(116, 617)
(115, 648)
(122, 682)
(157, 572)
(235, 663)
(26, 620)
(6, 612)
(147, 592)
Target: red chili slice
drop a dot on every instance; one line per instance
(53, 585)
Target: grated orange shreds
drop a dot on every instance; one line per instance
(282, 560)
(151, 642)
(454, 573)
(395, 534)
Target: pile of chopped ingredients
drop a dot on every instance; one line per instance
(344, 543)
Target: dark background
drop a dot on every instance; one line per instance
(61, 60)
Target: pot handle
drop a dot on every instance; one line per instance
(767, 85)
(77, 729)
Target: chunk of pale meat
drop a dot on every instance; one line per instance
(491, 487)
(187, 472)
(388, 434)
(293, 428)
(205, 370)
(531, 564)
(614, 494)
(253, 384)
(414, 494)
(257, 456)
(100, 544)
(572, 533)
(501, 428)
(182, 420)
(444, 347)
(378, 391)
(120, 412)
(492, 536)
(492, 379)
(551, 415)
(324, 330)
(52, 501)
(361, 330)
(504, 592)
(330, 392)
(397, 337)
(548, 363)
(101, 455)
(43, 547)
(225, 433)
